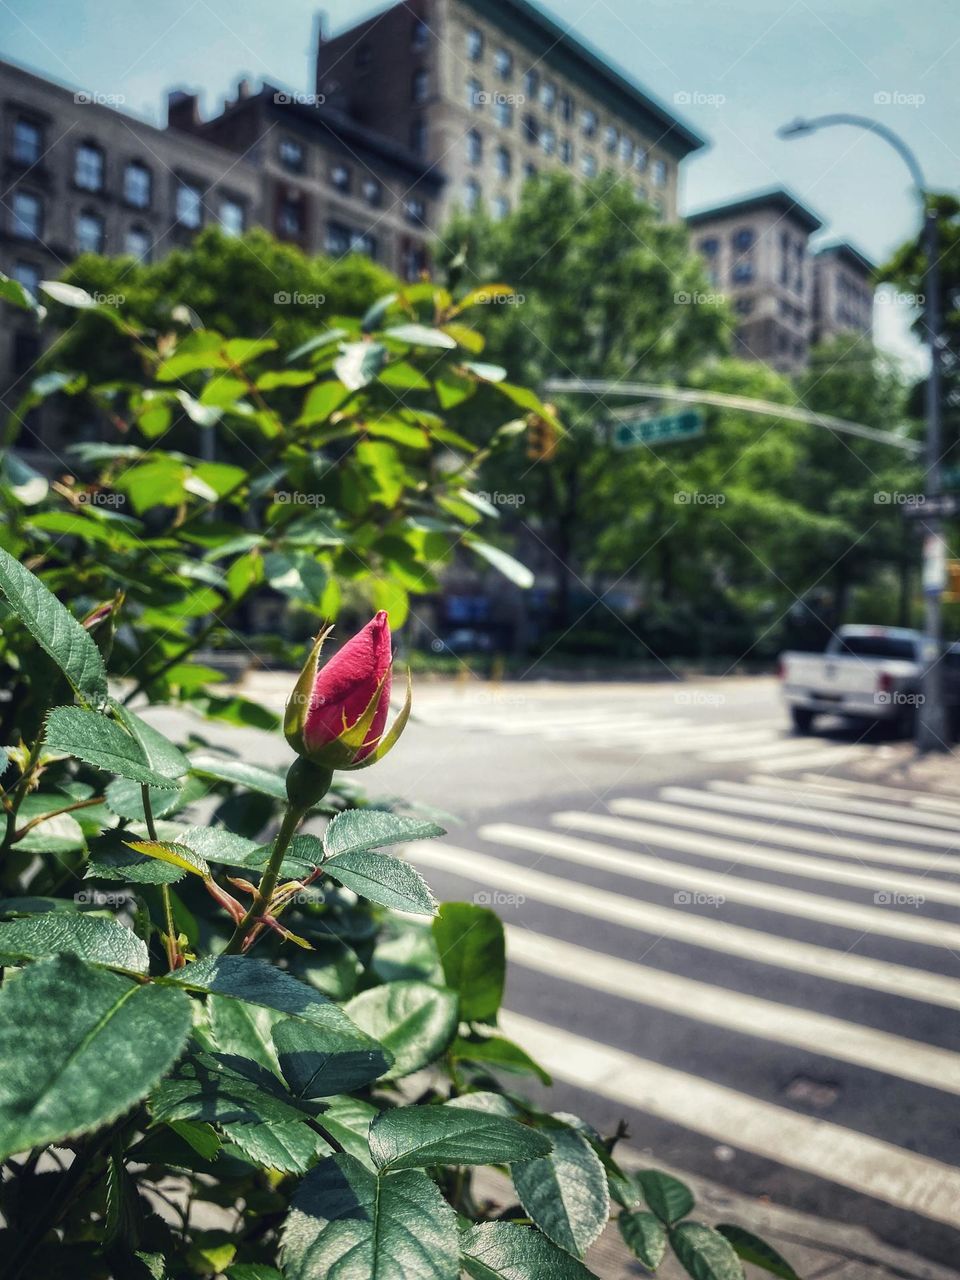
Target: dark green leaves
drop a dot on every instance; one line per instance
(669, 1198)
(565, 1192)
(504, 1251)
(102, 743)
(704, 1253)
(245, 775)
(413, 1020)
(472, 952)
(78, 1047)
(349, 1223)
(414, 1137)
(752, 1249)
(356, 830)
(55, 629)
(63, 933)
(645, 1235)
(318, 1062)
(383, 879)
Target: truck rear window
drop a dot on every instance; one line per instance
(877, 647)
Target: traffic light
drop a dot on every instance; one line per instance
(952, 593)
(541, 439)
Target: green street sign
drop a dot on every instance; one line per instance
(669, 427)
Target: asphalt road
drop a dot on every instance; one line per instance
(715, 930)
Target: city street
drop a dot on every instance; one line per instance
(714, 931)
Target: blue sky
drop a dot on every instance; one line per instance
(741, 67)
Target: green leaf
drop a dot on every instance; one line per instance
(100, 742)
(383, 879)
(505, 1251)
(565, 1193)
(78, 1047)
(470, 941)
(511, 569)
(414, 1021)
(252, 1271)
(414, 1137)
(645, 1235)
(176, 855)
(322, 401)
(357, 829)
(704, 1253)
(347, 1222)
(12, 291)
(420, 335)
(348, 1119)
(496, 1051)
(289, 1146)
(238, 771)
(668, 1197)
(318, 341)
(207, 1088)
(91, 938)
(160, 753)
(756, 1251)
(359, 363)
(55, 629)
(319, 1061)
(28, 486)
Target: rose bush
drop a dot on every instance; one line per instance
(225, 1047)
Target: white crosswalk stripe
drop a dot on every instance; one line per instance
(888, 857)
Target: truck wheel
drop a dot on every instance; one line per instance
(802, 719)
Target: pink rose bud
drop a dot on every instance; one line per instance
(337, 713)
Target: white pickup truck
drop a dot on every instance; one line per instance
(866, 673)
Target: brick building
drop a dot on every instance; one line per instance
(842, 291)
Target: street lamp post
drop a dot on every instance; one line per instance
(931, 719)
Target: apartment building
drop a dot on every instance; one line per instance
(491, 91)
(785, 296)
(843, 291)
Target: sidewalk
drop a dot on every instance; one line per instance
(817, 1249)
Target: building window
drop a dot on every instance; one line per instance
(413, 261)
(26, 351)
(499, 207)
(531, 83)
(503, 63)
(340, 177)
(626, 149)
(742, 272)
(291, 154)
(657, 205)
(27, 142)
(566, 108)
(529, 169)
(475, 44)
(475, 94)
(233, 218)
(566, 151)
(743, 239)
(548, 140)
(137, 243)
(290, 217)
(503, 162)
(137, 185)
(588, 123)
(709, 247)
(418, 137)
(641, 192)
(420, 89)
(640, 159)
(611, 137)
(88, 232)
(372, 191)
(337, 241)
(189, 205)
(743, 306)
(548, 95)
(588, 165)
(419, 36)
(503, 112)
(26, 216)
(415, 210)
(471, 195)
(531, 128)
(27, 274)
(474, 147)
(88, 167)
(658, 172)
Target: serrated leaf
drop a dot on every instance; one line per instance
(414, 1021)
(207, 1088)
(99, 741)
(348, 1119)
(383, 879)
(241, 773)
(704, 1253)
(252, 1271)
(55, 629)
(78, 1047)
(505, 1251)
(357, 829)
(177, 855)
(289, 1146)
(415, 1137)
(645, 1235)
(318, 1062)
(565, 1193)
(497, 1051)
(90, 938)
(667, 1196)
(751, 1248)
(347, 1222)
(470, 941)
(163, 756)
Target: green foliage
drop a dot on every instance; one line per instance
(137, 1029)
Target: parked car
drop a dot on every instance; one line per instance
(866, 673)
